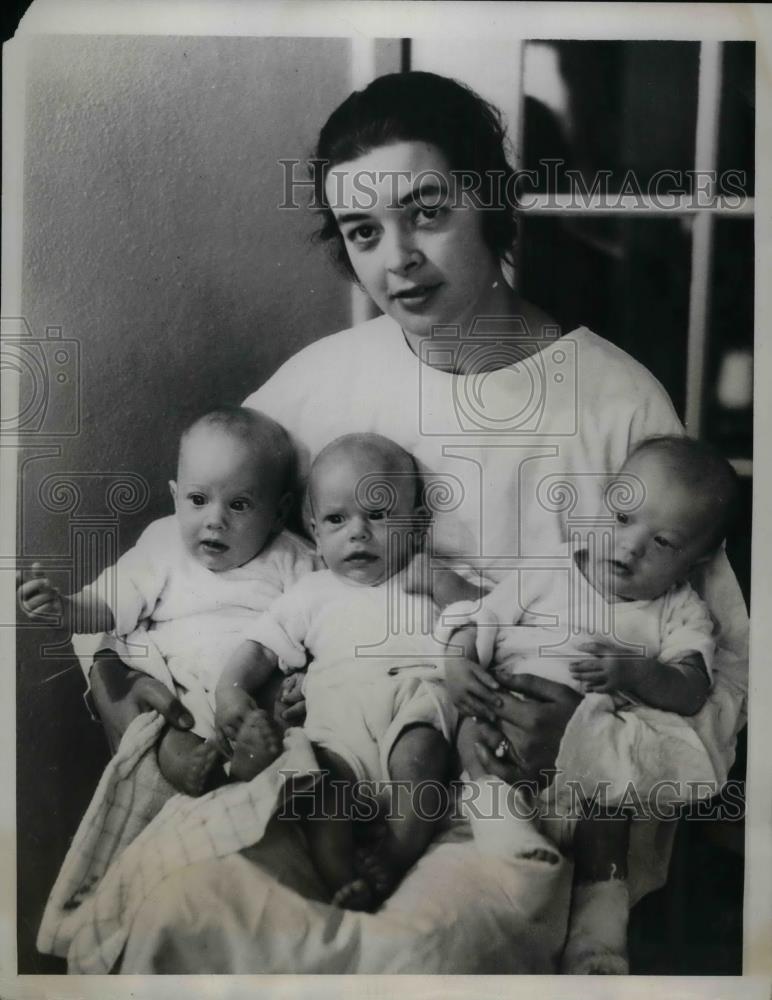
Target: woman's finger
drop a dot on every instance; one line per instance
(533, 687)
(152, 694)
(222, 743)
(477, 709)
(492, 765)
(489, 734)
(586, 667)
(294, 714)
(597, 648)
(482, 693)
(486, 678)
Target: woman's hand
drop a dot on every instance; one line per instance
(532, 725)
(472, 689)
(121, 694)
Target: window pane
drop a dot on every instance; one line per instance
(728, 409)
(626, 278)
(736, 147)
(612, 107)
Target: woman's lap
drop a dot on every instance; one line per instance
(456, 912)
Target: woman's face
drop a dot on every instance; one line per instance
(415, 247)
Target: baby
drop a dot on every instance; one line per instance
(370, 714)
(630, 626)
(184, 595)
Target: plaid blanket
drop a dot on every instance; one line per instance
(137, 831)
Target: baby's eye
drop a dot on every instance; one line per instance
(621, 517)
(377, 515)
(663, 543)
(239, 505)
(197, 499)
(334, 519)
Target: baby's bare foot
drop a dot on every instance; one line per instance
(257, 745)
(191, 769)
(355, 895)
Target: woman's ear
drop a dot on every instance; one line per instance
(173, 491)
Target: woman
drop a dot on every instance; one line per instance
(514, 426)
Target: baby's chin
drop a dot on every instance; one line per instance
(367, 573)
(219, 561)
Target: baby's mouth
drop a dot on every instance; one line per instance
(213, 546)
(361, 557)
(621, 568)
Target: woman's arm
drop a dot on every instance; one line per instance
(121, 694)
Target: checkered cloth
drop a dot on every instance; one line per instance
(137, 831)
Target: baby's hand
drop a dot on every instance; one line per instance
(606, 670)
(290, 704)
(472, 688)
(232, 705)
(39, 599)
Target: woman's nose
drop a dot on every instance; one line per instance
(402, 254)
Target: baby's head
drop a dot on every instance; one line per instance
(689, 499)
(358, 484)
(233, 486)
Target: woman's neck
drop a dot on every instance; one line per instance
(509, 331)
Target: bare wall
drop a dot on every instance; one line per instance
(152, 238)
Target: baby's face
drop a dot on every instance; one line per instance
(226, 509)
(657, 544)
(351, 533)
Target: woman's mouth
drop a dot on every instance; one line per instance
(415, 297)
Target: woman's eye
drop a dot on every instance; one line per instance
(426, 216)
(197, 499)
(361, 235)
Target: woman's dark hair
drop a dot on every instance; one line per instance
(424, 107)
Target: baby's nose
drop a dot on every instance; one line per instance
(215, 516)
(360, 527)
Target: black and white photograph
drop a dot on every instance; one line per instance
(366, 358)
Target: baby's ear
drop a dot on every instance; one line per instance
(173, 491)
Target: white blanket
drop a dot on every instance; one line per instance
(95, 903)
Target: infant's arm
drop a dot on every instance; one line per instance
(83, 612)
(681, 686)
(443, 586)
